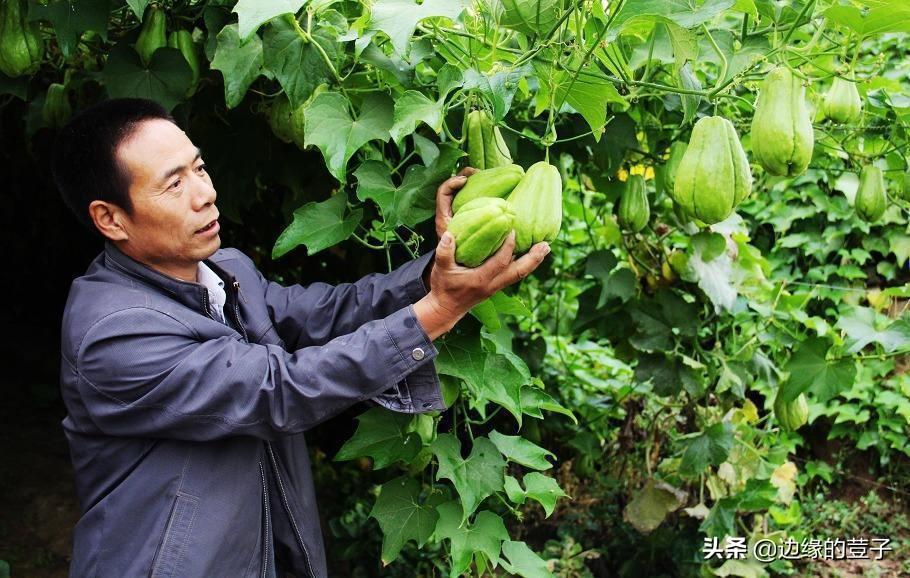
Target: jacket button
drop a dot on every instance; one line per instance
(417, 354)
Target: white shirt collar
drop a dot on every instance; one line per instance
(215, 286)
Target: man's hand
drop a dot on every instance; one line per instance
(444, 195)
(454, 289)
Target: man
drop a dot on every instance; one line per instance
(188, 377)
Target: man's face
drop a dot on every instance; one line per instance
(174, 223)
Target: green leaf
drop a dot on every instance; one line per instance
(374, 182)
(663, 372)
(522, 451)
(523, 561)
(382, 435)
(399, 18)
(240, 64)
(138, 7)
(415, 199)
(411, 108)
(329, 126)
(165, 80)
(461, 355)
(318, 226)
(811, 371)
(499, 88)
(652, 504)
(680, 12)
(474, 478)
(534, 399)
(295, 59)
(542, 489)
(502, 382)
(710, 447)
(402, 516)
(485, 535)
(862, 328)
(586, 92)
(893, 17)
(251, 14)
(70, 18)
(720, 520)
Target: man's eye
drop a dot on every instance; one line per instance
(175, 184)
(202, 168)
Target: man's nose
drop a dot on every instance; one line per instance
(204, 194)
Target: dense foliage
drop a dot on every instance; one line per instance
(649, 386)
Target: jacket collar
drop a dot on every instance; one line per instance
(190, 294)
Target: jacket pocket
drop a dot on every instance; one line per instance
(176, 536)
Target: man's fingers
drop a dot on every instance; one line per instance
(467, 171)
(523, 266)
(499, 260)
(445, 251)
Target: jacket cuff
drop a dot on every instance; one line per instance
(420, 390)
(414, 287)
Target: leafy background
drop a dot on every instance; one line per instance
(615, 409)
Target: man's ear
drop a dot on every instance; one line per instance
(109, 219)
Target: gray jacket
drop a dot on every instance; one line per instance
(186, 433)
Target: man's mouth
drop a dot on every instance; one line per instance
(208, 227)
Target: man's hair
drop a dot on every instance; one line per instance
(85, 164)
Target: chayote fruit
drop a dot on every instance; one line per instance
(842, 102)
(713, 176)
(792, 415)
(57, 110)
(153, 34)
(871, 201)
(21, 47)
(782, 137)
(537, 202)
(634, 210)
(495, 182)
(486, 147)
(480, 228)
(287, 123)
(905, 188)
(182, 40)
(527, 16)
(677, 150)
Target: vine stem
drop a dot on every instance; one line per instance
(723, 59)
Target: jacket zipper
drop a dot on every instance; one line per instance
(268, 521)
(237, 311)
(287, 507)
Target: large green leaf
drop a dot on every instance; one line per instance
(811, 371)
(652, 504)
(474, 478)
(240, 63)
(523, 561)
(518, 449)
(165, 80)
(403, 516)
(251, 14)
(399, 18)
(862, 327)
(382, 435)
(708, 448)
(295, 59)
(415, 199)
(540, 488)
(70, 18)
(485, 535)
(892, 17)
(685, 13)
(375, 183)
(329, 126)
(318, 226)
